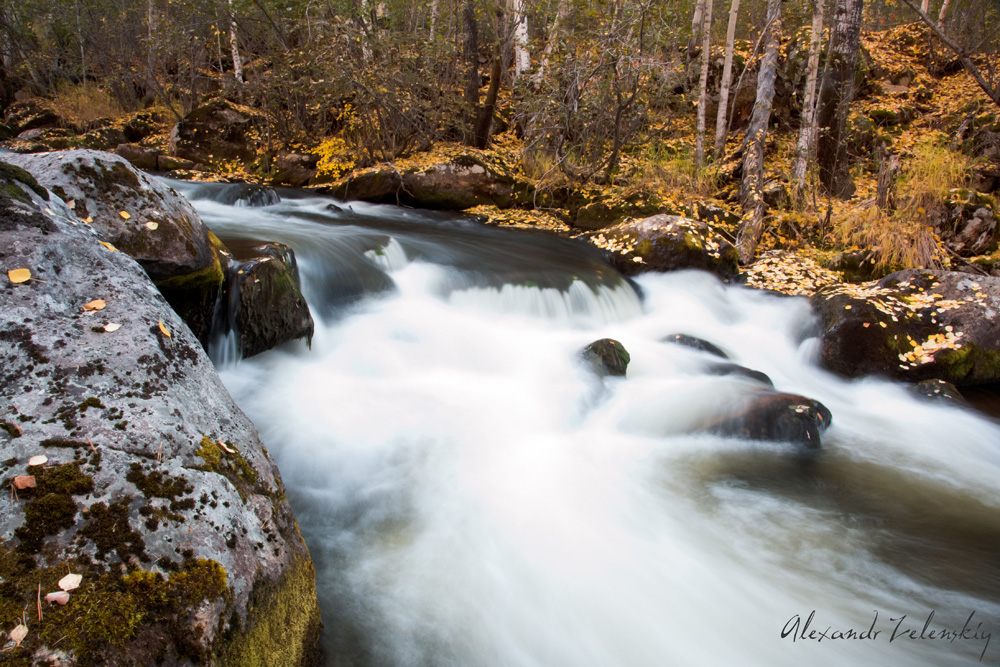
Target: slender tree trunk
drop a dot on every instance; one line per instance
(699, 141)
(943, 13)
(433, 16)
(721, 122)
(807, 129)
(470, 51)
(836, 97)
(885, 194)
(522, 58)
(696, 24)
(484, 119)
(562, 15)
(79, 36)
(925, 6)
(752, 186)
(234, 45)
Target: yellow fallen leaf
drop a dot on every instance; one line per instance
(151, 226)
(89, 219)
(41, 459)
(124, 215)
(71, 204)
(18, 634)
(70, 582)
(59, 597)
(24, 482)
(108, 245)
(112, 326)
(19, 275)
(164, 329)
(96, 304)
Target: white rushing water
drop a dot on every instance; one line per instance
(473, 495)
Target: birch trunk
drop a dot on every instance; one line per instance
(522, 58)
(943, 13)
(752, 186)
(562, 15)
(807, 130)
(721, 121)
(706, 29)
(836, 97)
(696, 23)
(234, 46)
(433, 16)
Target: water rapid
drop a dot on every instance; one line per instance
(473, 496)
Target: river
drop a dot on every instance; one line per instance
(472, 495)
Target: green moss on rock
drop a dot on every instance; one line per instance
(232, 465)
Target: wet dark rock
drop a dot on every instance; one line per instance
(214, 132)
(162, 231)
(30, 115)
(607, 357)
(668, 243)
(696, 344)
(157, 489)
(775, 417)
(270, 308)
(856, 266)
(139, 156)
(295, 169)
(252, 195)
(913, 325)
(462, 183)
(173, 163)
(938, 390)
(742, 371)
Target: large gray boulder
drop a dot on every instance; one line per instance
(913, 325)
(156, 488)
(143, 218)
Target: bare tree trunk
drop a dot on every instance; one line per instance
(885, 194)
(836, 97)
(721, 124)
(522, 59)
(699, 141)
(943, 13)
(808, 129)
(433, 16)
(696, 24)
(925, 6)
(470, 50)
(233, 44)
(562, 15)
(752, 186)
(484, 119)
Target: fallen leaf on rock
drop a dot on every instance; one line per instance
(96, 304)
(151, 226)
(89, 219)
(19, 275)
(112, 326)
(70, 582)
(227, 449)
(18, 634)
(164, 329)
(41, 459)
(71, 204)
(48, 210)
(124, 214)
(23, 482)
(59, 597)
(108, 245)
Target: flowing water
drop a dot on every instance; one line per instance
(473, 495)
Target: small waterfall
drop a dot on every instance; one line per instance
(224, 343)
(390, 257)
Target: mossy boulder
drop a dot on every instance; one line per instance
(463, 182)
(141, 157)
(30, 115)
(156, 489)
(143, 218)
(218, 131)
(606, 357)
(970, 226)
(913, 325)
(266, 295)
(667, 243)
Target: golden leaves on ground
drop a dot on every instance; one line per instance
(164, 330)
(124, 214)
(789, 273)
(18, 276)
(96, 304)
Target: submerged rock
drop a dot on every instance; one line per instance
(776, 417)
(741, 371)
(913, 325)
(270, 308)
(695, 343)
(668, 243)
(143, 218)
(156, 490)
(607, 357)
(938, 390)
